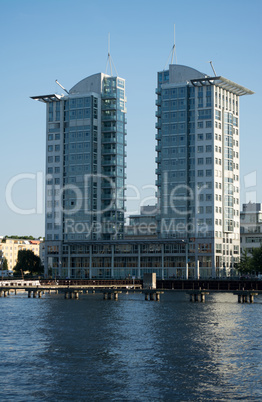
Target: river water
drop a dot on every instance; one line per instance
(91, 349)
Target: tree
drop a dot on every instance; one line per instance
(5, 264)
(256, 262)
(245, 264)
(28, 261)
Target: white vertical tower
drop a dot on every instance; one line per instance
(198, 165)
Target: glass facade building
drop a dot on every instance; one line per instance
(85, 162)
(198, 164)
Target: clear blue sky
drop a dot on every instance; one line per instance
(45, 40)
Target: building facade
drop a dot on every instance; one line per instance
(85, 163)
(251, 227)
(198, 165)
(9, 249)
(198, 211)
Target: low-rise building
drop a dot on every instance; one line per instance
(9, 249)
(251, 226)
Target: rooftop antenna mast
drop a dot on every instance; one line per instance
(61, 86)
(172, 52)
(109, 59)
(211, 64)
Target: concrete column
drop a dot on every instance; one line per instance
(245, 298)
(90, 261)
(76, 295)
(105, 296)
(196, 297)
(60, 261)
(157, 296)
(68, 261)
(203, 297)
(66, 295)
(192, 298)
(29, 293)
(5, 293)
(40, 294)
(186, 274)
(1, 292)
(71, 295)
(138, 262)
(240, 299)
(146, 296)
(163, 260)
(152, 296)
(197, 270)
(112, 260)
(251, 298)
(116, 296)
(34, 294)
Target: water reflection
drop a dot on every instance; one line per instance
(130, 349)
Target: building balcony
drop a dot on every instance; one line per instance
(158, 147)
(158, 91)
(108, 107)
(158, 159)
(109, 118)
(158, 136)
(158, 124)
(158, 101)
(109, 151)
(108, 129)
(158, 113)
(109, 96)
(109, 140)
(112, 162)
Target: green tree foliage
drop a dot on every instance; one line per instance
(244, 266)
(256, 262)
(5, 264)
(15, 237)
(250, 264)
(28, 261)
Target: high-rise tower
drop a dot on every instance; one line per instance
(198, 165)
(85, 163)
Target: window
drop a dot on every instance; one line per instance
(50, 148)
(57, 158)
(50, 159)
(57, 136)
(208, 124)
(208, 148)
(208, 161)
(200, 148)
(50, 137)
(57, 148)
(208, 136)
(208, 197)
(200, 173)
(208, 172)
(200, 161)
(200, 137)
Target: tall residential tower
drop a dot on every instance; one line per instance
(198, 166)
(85, 165)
